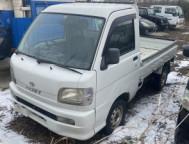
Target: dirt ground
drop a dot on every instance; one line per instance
(39, 134)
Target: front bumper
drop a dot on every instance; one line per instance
(182, 132)
(45, 114)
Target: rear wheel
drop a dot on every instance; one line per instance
(116, 116)
(160, 79)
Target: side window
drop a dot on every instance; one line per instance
(157, 9)
(171, 11)
(167, 10)
(142, 12)
(123, 37)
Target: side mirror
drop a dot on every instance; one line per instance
(186, 50)
(113, 56)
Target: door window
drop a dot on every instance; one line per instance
(123, 37)
(171, 11)
(157, 9)
(142, 12)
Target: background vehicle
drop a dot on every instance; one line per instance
(148, 13)
(174, 14)
(182, 132)
(146, 26)
(5, 44)
(79, 64)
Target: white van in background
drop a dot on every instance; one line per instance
(174, 14)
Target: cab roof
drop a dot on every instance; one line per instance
(90, 9)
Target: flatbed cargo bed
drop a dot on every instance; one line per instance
(154, 51)
(152, 46)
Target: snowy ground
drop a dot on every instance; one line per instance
(6, 115)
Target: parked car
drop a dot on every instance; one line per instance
(75, 78)
(5, 44)
(174, 14)
(146, 26)
(182, 132)
(148, 13)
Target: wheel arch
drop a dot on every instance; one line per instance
(125, 97)
(159, 70)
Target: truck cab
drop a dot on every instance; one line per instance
(79, 64)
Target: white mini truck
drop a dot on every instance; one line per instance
(79, 64)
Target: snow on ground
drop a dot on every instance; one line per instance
(185, 33)
(140, 115)
(182, 64)
(6, 115)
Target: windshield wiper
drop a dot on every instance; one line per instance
(18, 52)
(60, 65)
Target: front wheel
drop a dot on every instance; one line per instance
(116, 116)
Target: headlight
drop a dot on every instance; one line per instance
(12, 75)
(77, 96)
(145, 24)
(161, 21)
(185, 99)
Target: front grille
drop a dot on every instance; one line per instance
(50, 115)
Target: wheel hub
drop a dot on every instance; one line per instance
(116, 117)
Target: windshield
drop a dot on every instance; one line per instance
(157, 9)
(150, 11)
(67, 40)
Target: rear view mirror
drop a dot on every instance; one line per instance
(186, 50)
(113, 56)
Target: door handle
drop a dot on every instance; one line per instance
(135, 58)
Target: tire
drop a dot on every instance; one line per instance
(116, 116)
(160, 80)
(181, 133)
